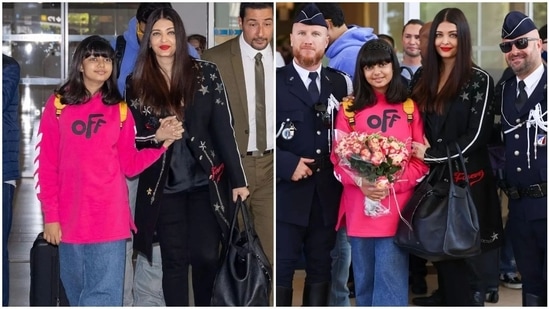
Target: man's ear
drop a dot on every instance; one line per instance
(329, 23)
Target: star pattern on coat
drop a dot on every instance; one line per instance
(204, 89)
(479, 97)
(219, 87)
(135, 103)
(218, 207)
(147, 110)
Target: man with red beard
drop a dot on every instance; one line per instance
(524, 124)
(307, 193)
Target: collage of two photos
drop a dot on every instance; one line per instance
(281, 154)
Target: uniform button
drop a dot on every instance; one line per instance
(517, 136)
(516, 153)
(318, 114)
(318, 132)
(247, 131)
(519, 169)
(318, 151)
(318, 170)
(518, 120)
(243, 156)
(439, 140)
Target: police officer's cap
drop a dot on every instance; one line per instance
(310, 15)
(516, 24)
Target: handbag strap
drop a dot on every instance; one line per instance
(462, 163)
(246, 219)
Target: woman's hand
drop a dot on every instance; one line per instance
(52, 233)
(169, 131)
(243, 192)
(418, 149)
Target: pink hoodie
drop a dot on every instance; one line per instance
(389, 120)
(83, 158)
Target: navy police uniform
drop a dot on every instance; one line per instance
(306, 210)
(525, 138)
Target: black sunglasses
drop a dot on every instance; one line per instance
(521, 43)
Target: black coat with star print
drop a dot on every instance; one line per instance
(211, 139)
(468, 120)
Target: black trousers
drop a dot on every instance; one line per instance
(315, 241)
(485, 268)
(189, 235)
(454, 277)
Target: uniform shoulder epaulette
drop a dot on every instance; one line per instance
(338, 71)
(346, 77)
(122, 105)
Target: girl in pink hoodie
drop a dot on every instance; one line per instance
(85, 151)
(379, 266)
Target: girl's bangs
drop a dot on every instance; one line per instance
(99, 48)
(376, 56)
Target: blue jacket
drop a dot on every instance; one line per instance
(343, 52)
(131, 51)
(10, 117)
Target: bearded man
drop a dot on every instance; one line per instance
(307, 193)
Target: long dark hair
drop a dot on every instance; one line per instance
(148, 79)
(73, 91)
(426, 93)
(375, 52)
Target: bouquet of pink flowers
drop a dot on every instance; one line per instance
(378, 159)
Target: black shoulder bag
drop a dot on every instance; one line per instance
(245, 276)
(440, 220)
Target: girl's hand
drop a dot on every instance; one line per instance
(52, 233)
(243, 192)
(373, 191)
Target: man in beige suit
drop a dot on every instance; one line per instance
(246, 64)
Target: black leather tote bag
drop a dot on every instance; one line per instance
(440, 220)
(245, 275)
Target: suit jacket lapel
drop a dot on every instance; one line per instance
(236, 61)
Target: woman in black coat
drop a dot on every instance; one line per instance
(456, 99)
(184, 199)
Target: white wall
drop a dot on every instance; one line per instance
(194, 16)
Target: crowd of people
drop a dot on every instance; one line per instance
(181, 132)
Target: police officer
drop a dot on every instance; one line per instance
(524, 125)
(307, 193)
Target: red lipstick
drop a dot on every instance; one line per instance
(164, 47)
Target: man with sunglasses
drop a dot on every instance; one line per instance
(142, 286)
(523, 109)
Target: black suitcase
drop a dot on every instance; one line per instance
(46, 288)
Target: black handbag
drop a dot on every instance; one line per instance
(245, 276)
(440, 221)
